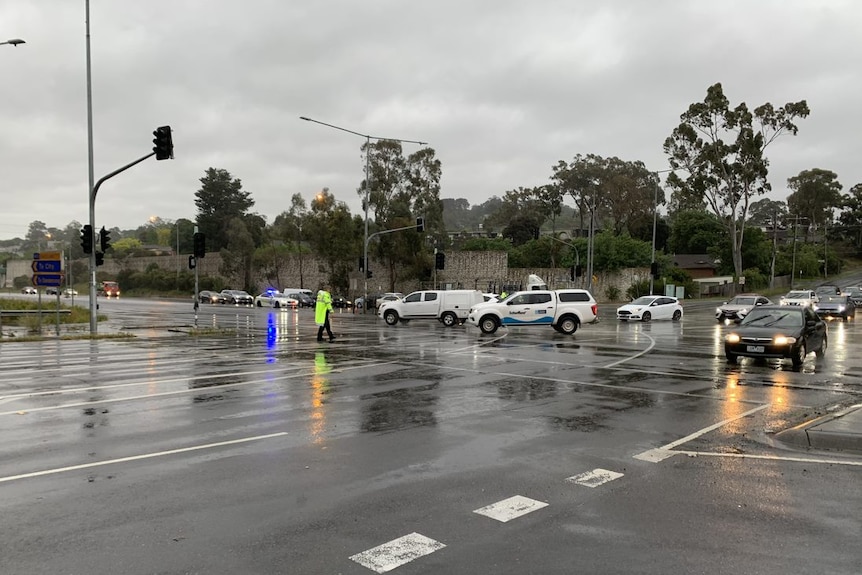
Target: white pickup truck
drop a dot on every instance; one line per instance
(449, 307)
(564, 310)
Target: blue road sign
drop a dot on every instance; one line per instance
(55, 280)
(47, 266)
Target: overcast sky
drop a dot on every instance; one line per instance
(501, 90)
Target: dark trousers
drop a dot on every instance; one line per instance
(326, 327)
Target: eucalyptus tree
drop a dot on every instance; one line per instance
(620, 193)
(850, 218)
(816, 195)
(722, 149)
(768, 213)
(399, 191)
(333, 236)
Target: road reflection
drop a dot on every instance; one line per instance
(320, 388)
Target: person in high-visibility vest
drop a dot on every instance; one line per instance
(321, 313)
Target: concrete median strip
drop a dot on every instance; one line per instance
(840, 431)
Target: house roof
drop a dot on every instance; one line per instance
(694, 261)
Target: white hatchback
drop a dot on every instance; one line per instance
(650, 307)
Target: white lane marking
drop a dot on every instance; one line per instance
(771, 457)
(510, 508)
(138, 457)
(631, 357)
(147, 382)
(397, 552)
(594, 478)
(663, 452)
(305, 373)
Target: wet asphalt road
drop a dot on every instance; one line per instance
(629, 448)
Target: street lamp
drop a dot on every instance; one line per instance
(571, 245)
(368, 139)
(13, 42)
(654, 218)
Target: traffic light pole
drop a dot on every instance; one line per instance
(95, 190)
(368, 239)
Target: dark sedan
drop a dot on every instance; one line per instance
(341, 302)
(777, 332)
(855, 294)
(237, 297)
(207, 296)
(836, 306)
(303, 299)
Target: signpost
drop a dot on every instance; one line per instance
(48, 271)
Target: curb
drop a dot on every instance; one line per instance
(828, 432)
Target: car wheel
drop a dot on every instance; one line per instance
(677, 315)
(731, 357)
(276, 305)
(390, 317)
(799, 355)
(488, 324)
(568, 325)
(647, 316)
(822, 350)
(449, 319)
(259, 304)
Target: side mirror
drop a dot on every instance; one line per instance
(810, 323)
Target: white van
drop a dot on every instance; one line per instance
(450, 307)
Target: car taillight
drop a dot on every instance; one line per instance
(595, 309)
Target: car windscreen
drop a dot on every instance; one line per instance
(742, 301)
(645, 300)
(834, 299)
(798, 295)
(774, 318)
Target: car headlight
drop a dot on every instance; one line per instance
(840, 308)
(718, 310)
(783, 340)
(732, 338)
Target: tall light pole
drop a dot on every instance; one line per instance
(91, 198)
(654, 220)
(13, 42)
(368, 139)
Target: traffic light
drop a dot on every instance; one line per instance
(104, 239)
(200, 245)
(361, 263)
(87, 239)
(439, 261)
(653, 269)
(369, 274)
(100, 258)
(420, 224)
(579, 271)
(193, 262)
(572, 273)
(163, 144)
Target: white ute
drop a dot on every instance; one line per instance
(564, 310)
(447, 306)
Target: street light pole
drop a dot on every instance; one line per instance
(91, 196)
(368, 139)
(654, 220)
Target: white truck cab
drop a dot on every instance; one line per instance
(447, 306)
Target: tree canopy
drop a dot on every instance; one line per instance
(722, 151)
